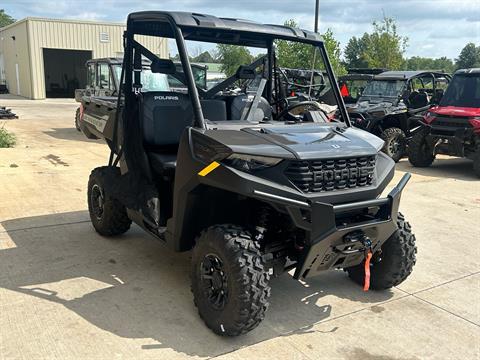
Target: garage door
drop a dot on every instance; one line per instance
(65, 71)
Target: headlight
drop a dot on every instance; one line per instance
(250, 163)
(377, 113)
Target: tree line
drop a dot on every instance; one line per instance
(382, 47)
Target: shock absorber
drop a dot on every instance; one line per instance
(263, 219)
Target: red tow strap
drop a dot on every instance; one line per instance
(366, 284)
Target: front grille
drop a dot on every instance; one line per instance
(333, 174)
(452, 121)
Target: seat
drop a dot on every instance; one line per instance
(418, 101)
(165, 117)
(214, 109)
(162, 163)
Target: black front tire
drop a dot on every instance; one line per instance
(77, 119)
(420, 153)
(108, 215)
(394, 264)
(476, 163)
(232, 294)
(395, 143)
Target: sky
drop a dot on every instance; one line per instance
(434, 28)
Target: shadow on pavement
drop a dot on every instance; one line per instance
(134, 287)
(69, 134)
(454, 168)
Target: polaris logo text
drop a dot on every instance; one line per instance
(165, 97)
(344, 174)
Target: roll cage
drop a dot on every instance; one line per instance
(182, 26)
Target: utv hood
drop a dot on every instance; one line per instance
(302, 141)
(456, 111)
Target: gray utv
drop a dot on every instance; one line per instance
(255, 185)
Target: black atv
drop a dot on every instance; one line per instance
(255, 187)
(390, 99)
(352, 84)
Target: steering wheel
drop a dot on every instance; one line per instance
(287, 112)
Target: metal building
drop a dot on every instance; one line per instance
(42, 58)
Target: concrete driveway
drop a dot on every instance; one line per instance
(66, 292)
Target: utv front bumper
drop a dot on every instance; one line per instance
(339, 234)
(450, 141)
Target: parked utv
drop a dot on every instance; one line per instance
(103, 76)
(299, 85)
(236, 173)
(352, 84)
(453, 126)
(391, 99)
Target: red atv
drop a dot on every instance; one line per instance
(453, 126)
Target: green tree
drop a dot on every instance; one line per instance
(422, 63)
(385, 47)
(204, 57)
(5, 19)
(333, 49)
(300, 56)
(232, 56)
(354, 52)
(469, 57)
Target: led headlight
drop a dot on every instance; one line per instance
(250, 163)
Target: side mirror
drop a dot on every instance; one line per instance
(163, 66)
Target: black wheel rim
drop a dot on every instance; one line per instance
(395, 146)
(97, 199)
(214, 281)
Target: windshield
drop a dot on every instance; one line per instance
(464, 91)
(384, 88)
(260, 83)
(352, 89)
(199, 75)
(162, 82)
(150, 81)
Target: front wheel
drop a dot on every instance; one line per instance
(108, 215)
(395, 143)
(230, 282)
(394, 264)
(420, 153)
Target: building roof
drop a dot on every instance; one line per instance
(208, 28)
(73, 21)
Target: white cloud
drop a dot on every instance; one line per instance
(446, 25)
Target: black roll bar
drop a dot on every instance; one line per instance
(334, 84)
(199, 121)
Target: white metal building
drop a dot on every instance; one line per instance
(42, 58)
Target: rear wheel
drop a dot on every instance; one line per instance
(230, 282)
(77, 119)
(395, 143)
(109, 216)
(394, 264)
(420, 153)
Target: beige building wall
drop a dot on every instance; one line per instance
(15, 58)
(34, 34)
